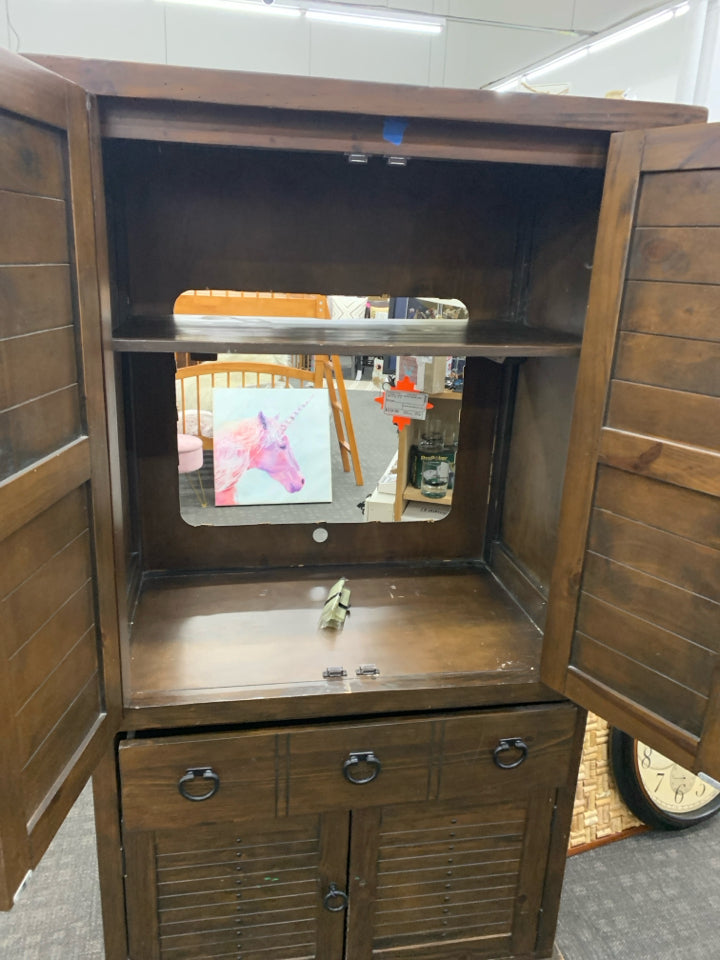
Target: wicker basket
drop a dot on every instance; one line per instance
(599, 814)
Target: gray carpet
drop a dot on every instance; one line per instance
(376, 437)
(655, 896)
(57, 916)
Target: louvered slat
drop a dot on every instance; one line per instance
(454, 879)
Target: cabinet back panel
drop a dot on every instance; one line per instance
(197, 217)
(561, 220)
(169, 543)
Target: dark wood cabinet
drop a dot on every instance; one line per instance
(182, 666)
(417, 840)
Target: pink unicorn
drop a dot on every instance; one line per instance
(254, 443)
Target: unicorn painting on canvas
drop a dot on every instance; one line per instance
(255, 443)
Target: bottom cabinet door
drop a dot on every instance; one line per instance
(449, 880)
(252, 890)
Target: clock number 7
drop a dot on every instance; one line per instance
(660, 779)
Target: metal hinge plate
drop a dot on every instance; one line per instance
(367, 670)
(334, 673)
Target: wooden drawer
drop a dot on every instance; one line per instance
(473, 751)
(343, 766)
(151, 770)
(393, 762)
(430, 759)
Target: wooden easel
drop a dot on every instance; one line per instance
(333, 377)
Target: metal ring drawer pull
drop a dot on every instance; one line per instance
(334, 894)
(354, 760)
(204, 773)
(511, 744)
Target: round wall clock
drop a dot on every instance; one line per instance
(661, 793)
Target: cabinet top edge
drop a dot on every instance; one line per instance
(148, 81)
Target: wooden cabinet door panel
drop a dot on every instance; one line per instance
(252, 889)
(449, 879)
(59, 684)
(633, 628)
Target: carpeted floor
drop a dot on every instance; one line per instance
(655, 896)
(57, 916)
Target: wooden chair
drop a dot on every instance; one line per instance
(194, 385)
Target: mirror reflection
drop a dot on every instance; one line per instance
(303, 438)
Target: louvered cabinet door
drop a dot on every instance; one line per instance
(59, 678)
(252, 890)
(633, 625)
(445, 881)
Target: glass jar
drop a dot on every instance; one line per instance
(430, 445)
(435, 477)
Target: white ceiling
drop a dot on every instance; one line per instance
(483, 41)
(533, 16)
(490, 39)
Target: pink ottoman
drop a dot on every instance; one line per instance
(190, 453)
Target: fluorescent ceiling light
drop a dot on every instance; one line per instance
(375, 20)
(242, 6)
(633, 30)
(557, 63)
(582, 50)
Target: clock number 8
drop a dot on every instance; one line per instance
(646, 758)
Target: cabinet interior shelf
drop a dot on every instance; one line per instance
(203, 639)
(212, 334)
(412, 493)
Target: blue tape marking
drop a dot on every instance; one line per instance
(394, 130)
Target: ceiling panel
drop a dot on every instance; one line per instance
(198, 37)
(476, 55)
(114, 29)
(591, 15)
(536, 13)
(554, 14)
(417, 6)
(364, 53)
